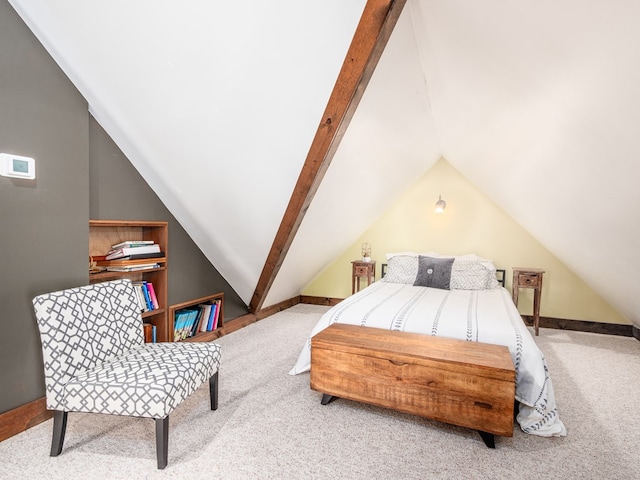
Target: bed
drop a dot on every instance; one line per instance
(454, 297)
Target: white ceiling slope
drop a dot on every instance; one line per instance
(216, 104)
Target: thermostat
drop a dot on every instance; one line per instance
(17, 166)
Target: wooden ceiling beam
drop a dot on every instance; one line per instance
(374, 29)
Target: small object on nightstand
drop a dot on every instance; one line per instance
(362, 269)
(366, 252)
(529, 278)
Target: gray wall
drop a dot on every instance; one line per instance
(43, 223)
(44, 228)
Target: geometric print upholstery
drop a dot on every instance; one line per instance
(149, 381)
(95, 358)
(82, 327)
(470, 272)
(402, 268)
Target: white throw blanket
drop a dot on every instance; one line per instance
(487, 316)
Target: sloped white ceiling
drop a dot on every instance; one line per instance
(216, 104)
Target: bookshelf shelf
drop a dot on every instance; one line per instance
(105, 233)
(200, 336)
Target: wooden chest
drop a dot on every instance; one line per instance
(463, 383)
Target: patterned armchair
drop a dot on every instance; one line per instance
(95, 360)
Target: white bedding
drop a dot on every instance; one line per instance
(487, 316)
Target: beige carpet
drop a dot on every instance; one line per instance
(270, 425)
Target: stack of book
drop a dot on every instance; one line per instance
(146, 296)
(134, 250)
(190, 321)
(115, 266)
(131, 256)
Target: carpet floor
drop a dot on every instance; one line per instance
(271, 425)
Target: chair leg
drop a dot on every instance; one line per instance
(162, 441)
(59, 429)
(213, 391)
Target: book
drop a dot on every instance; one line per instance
(132, 268)
(194, 324)
(194, 319)
(147, 328)
(147, 297)
(205, 321)
(138, 256)
(141, 303)
(126, 251)
(182, 324)
(144, 295)
(132, 243)
(152, 294)
(217, 315)
(205, 310)
(123, 261)
(178, 323)
(214, 308)
(186, 329)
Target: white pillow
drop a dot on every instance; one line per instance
(471, 272)
(401, 268)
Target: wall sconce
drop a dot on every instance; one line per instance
(440, 205)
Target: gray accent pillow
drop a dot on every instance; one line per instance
(434, 272)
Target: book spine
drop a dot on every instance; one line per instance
(148, 332)
(178, 323)
(194, 322)
(125, 251)
(205, 321)
(212, 317)
(204, 318)
(152, 294)
(196, 325)
(147, 298)
(217, 317)
(132, 243)
(141, 300)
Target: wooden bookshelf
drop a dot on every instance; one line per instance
(105, 233)
(200, 336)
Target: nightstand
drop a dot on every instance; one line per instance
(359, 270)
(529, 278)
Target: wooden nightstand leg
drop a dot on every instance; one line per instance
(536, 310)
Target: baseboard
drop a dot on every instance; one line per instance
(582, 326)
(635, 331)
(328, 301)
(24, 417)
(278, 307)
